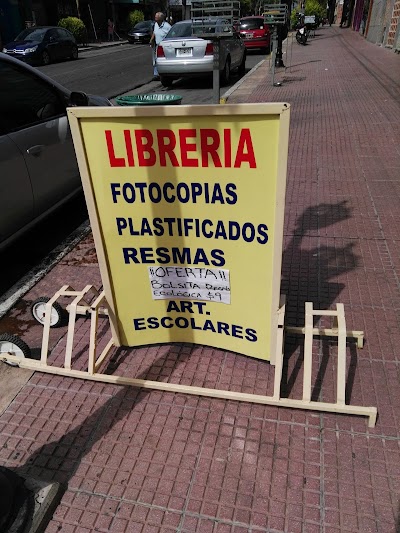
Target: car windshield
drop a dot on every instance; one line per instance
(251, 24)
(143, 25)
(32, 34)
(180, 30)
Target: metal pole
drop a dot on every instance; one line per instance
(216, 85)
(91, 18)
(113, 13)
(291, 53)
(274, 45)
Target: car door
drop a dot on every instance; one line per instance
(15, 186)
(64, 43)
(53, 44)
(234, 47)
(41, 133)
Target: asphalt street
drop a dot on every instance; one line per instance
(119, 69)
(106, 71)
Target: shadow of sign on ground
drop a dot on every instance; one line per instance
(308, 275)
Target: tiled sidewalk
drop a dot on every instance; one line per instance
(152, 462)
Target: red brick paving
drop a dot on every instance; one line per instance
(154, 462)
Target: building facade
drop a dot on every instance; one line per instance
(377, 20)
(383, 24)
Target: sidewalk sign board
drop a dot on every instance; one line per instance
(186, 205)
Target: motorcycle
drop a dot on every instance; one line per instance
(302, 31)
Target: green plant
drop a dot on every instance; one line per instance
(134, 17)
(75, 26)
(293, 17)
(313, 7)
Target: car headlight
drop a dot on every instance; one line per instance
(4, 50)
(30, 50)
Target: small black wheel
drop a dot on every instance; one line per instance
(166, 81)
(13, 345)
(45, 58)
(58, 317)
(226, 73)
(242, 66)
(74, 54)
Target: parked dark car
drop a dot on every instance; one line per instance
(141, 32)
(38, 167)
(42, 45)
(255, 33)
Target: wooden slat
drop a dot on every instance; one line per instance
(92, 341)
(308, 340)
(70, 334)
(305, 403)
(328, 332)
(341, 362)
(104, 354)
(371, 412)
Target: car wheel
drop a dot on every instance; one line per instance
(11, 344)
(45, 58)
(226, 73)
(166, 81)
(58, 315)
(242, 66)
(74, 54)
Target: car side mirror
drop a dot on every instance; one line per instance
(78, 99)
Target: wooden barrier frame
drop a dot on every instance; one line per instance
(79, 306)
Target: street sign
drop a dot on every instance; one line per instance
(186, 204)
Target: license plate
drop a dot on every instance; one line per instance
(184, 52)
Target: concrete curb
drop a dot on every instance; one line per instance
(229, 92)
(46, 498)
(95, 46)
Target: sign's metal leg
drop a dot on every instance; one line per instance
(274, 47)
(289, 54)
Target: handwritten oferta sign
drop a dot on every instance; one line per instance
(186, 205)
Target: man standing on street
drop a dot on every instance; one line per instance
(161, 28)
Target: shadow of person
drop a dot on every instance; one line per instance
(307, 273)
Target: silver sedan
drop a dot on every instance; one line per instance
(38, 168)
(184, 54)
